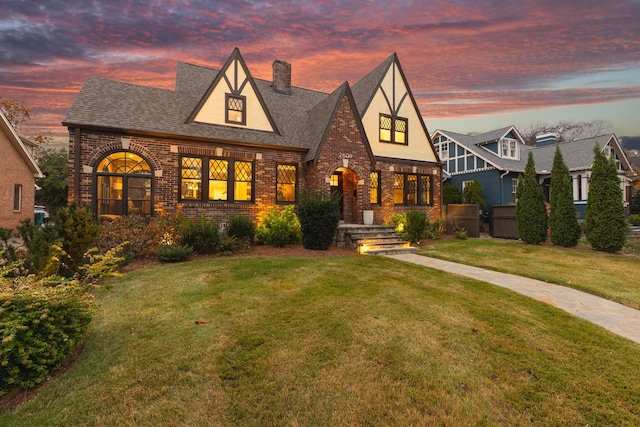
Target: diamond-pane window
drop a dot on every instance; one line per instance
(242, 189)
(191, 168)
(286, 186)
(374, 188)
(398, 189)
(235, 109)
(385, 128)
(218, 179)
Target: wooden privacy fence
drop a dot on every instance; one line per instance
(464, 216)
(503, 222)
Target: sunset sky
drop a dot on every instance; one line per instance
(473, 65)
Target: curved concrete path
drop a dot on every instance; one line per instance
(615, 317)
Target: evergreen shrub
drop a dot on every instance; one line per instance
(202, 235)
(563, 220)
(319, 218)
(531, 212)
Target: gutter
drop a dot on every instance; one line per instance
(501, 186)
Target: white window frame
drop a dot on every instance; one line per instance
(508, 148)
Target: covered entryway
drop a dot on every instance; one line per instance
(344, 181)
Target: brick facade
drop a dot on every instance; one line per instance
(344, 150)
(14, 170)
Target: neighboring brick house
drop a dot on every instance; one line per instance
(18, 173)
(224, 143)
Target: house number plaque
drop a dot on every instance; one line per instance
(346, 155)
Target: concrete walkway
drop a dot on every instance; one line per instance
(615, 317)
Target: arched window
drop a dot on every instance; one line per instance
(123, 186)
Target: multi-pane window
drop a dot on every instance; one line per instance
(17, 197)
(286, 183)
(227, 179)
(393, 129)
(218, 179)
(442, 144)
(236, 109)
(514, 188)
(243, 179)
(374, 188)
(412, 189)
(509, 148)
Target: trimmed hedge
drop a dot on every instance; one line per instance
(40, 326)
(319, 218)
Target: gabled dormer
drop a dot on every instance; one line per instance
(505, 144)
(233, 99)
(390, 115)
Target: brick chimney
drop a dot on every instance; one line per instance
(282, 77)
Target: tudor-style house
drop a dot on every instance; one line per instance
(18, 173)
(224, 143)
(495, 159)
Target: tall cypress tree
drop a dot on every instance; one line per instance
(606, 226)
(565, 230)
(531, 212)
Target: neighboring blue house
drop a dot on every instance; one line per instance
(495, 159)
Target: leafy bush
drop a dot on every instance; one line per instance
(416, 226)
(241, 228)
(606, 225)
(634, 220)
(319, 218)
(202, 235)
(451, 195)
(40, 326)
(460, 233)
(174, 253)
(472, 194)
(280, 229)
(140, 238)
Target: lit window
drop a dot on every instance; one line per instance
(242, 188)
(226, 180)
(191, 185)
(286, 183)
(393, 129)
(374, 188)
(412, 189)
(236, 109)
(218, 177)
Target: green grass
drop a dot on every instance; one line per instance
(334, 341)
(612, 276)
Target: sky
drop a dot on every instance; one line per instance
(472, 65)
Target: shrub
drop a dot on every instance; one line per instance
(416, 226)
(78, 231)
(202, 235)
(634, 203)
(40, 327)
(472, 194)
(319, 218)
(460, 233)
(531, 212)
(173, 253)
(241, 228)
(43, 245)
(280, 229)
(634, 220)
(451, 195)
(563, 220)
(606, 226)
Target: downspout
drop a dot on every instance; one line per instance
(501, 187)
(76, 166)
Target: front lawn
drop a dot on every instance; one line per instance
(612, 276)
(257, 341)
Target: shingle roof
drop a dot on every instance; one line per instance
(301, 118)
(364, 90)
(577, 155)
